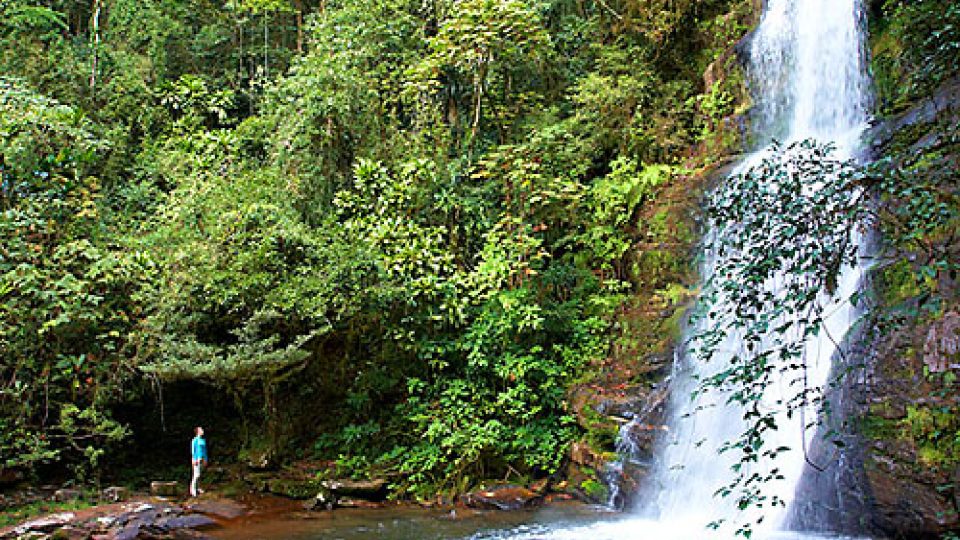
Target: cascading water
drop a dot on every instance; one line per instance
(808, 64)
(808, 67)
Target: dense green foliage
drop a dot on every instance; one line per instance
(916, 48)
(391, 232)
(65, 291)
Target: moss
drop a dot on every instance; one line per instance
(673, 326)
(294, 489)
(931, 456)
(233, 489)
(897, 284)
(877, 428)
(595, 490)
(936, 433)
(601, 431)
(19, 514)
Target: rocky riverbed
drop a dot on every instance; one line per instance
(281, 497)
(149, 518)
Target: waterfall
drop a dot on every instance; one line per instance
(808, 67)
(808, 75)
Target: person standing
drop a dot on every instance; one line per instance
(198, 453)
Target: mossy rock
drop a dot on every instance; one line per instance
(897, 284)
(294, 489)
(235, 488)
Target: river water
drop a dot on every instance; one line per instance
(558, 522)
(808, 73)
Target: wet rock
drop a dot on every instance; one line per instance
(105, 522)
(130, 532)
(942, 343)
(357, 503)
(507, 497)
(540, 486)
(65, 494)
(220, 508)
(189, 534)
(33, 535)
(323, 500)
(165, 489)
(943, 102)
(191, 521)
(115, 494)
(373, 490)
(143, 514)
(639, 439)
(44, 525)
(909, 507)
(624, 480)
(876, 482)
(70, 533)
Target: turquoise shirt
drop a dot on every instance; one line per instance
(199, 448)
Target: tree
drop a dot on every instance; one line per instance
(498, 46)
(65, 292)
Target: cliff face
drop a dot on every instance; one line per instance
(889, 463)
(910, 425)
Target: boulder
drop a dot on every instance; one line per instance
(191, 521)
(293, 488)
(115, 494)
(9, 477)
(130, 532)
(219, 508)
(324, 500)
(66, 494)
(371, 490)
(105, 522)
(165, 489)
(508, 497)
(70, 533)
(44, 525)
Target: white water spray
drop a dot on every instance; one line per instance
(808, 67)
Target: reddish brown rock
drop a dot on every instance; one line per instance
(218, 508)
(582, 454)
(507, 497)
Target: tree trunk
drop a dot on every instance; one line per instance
(299, 7)
(95, 33)
(266, 45)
